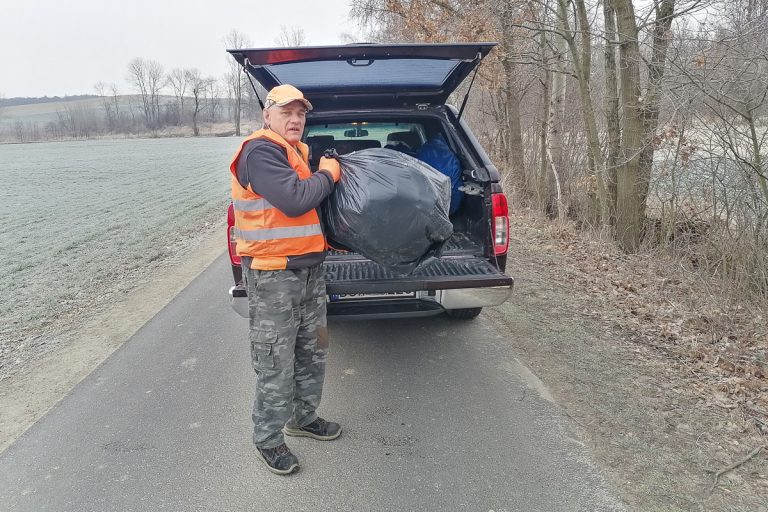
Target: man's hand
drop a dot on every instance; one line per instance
(331, 165)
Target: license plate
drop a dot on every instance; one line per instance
(340, 297)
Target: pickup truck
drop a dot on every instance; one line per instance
(395, 96)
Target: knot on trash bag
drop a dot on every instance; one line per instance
(331, 153)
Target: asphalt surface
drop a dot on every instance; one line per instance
(436, 416)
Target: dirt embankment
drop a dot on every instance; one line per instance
(664, 375)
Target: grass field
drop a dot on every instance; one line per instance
(78, 218)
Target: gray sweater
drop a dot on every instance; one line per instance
(264, 166)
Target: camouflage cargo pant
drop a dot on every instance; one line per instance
(289, 341)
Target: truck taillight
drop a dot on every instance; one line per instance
(500, 224)
(232, 243)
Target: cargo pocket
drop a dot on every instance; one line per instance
(262, 349)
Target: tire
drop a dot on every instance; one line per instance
(463, 314)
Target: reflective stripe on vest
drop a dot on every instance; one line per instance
(251, 205)
(278, 233)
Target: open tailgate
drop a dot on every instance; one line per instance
(370, 74)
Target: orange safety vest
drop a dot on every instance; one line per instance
(262, 231)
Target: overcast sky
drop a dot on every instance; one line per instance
(57, 48)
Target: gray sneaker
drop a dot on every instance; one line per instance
(319, 429)
(279, 459)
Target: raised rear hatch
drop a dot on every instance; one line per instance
(366, 75)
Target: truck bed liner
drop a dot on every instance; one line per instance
(461, 242)
(368, 270)
(365, 276)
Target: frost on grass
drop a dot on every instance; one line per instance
(98, 216)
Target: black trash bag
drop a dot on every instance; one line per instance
(389, 207)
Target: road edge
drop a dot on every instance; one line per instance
(28, 396)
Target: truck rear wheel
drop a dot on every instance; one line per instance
(463, 314)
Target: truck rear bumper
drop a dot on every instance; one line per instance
(424, 304)
(462, 298)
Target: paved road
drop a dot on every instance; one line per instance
(436, 418)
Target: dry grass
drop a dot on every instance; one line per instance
(715, 331)
(668, 378)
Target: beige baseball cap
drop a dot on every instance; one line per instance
(284, 94)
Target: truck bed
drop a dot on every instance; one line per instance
(460, 266)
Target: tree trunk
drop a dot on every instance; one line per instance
(582, 62)
(662, 36)
(511, 94)
(543, 179)
(555, 119)
(629, 211)
(640, 117)
(611, 109)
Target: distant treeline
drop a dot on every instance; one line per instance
(123, 115)
(13, 102)
(161, 103)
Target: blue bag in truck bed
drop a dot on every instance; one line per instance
(438, 154)
(389, 207)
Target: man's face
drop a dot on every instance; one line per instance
(287, 121)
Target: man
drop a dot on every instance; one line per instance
(281, 243)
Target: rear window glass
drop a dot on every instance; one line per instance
(355, 136)
(363, 74)
(384, 133)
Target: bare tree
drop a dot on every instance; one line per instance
(115, 100)
(77, 122)
(34, 130)
(156, 78)
(107, 105)
(553, 100)
(20, 131)
(53, 131)
(731, 75)
(510, 91)
(611, 107)
(235, 77)
(640, 111)
(214, 93)
(137, 75)
(147, 76)
(291, 36)
(199, 88)
(177, 80)
(581, 57)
